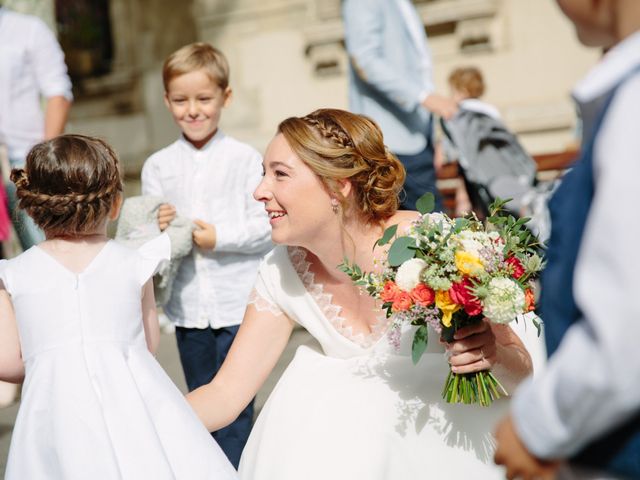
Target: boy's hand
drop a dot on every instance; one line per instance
(513, 454)
(205, 235)
(166, 214)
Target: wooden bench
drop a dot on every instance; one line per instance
(550, 166)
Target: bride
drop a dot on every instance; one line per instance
(360, 409)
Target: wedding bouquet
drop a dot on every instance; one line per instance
(450, 273)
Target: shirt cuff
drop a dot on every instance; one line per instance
(425, 92)
(224, 237)
(58, 90)
(532, 423)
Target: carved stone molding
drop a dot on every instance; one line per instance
(214, 13)
(471, 22)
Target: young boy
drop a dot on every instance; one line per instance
(209, 177)
(585, 407)
(466, 86)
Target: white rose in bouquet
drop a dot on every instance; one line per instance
(504, 300)
(408, 275)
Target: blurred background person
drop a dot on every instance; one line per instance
(32, 68)
(491, 160)
(390, 81)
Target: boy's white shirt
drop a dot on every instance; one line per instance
(590, 384)
(214, 184)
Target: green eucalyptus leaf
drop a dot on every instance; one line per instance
(426, 203)
(420, 339)
(401, 250)
(387, 235)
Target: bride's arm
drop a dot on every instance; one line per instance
(257, 347)
(513, 361)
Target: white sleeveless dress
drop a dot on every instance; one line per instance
(361, 409)
(95, 403)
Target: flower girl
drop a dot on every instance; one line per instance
(78, 321)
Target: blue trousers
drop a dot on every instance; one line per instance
(202, 352)
(421, 178)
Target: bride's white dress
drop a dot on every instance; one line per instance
(361, 409)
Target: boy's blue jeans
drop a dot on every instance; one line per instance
(202, 352)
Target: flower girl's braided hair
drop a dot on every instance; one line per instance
(339, 145)
(69, 184)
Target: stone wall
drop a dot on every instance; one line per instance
(287, 57)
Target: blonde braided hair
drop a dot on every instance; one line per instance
(338, 145)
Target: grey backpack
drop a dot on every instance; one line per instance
(492, 161)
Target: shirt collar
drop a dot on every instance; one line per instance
(592, 91)
(475, 105)
(211, 144)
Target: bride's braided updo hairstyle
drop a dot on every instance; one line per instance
(339, 145)
(69, 184)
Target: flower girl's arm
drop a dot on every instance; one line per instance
(150, 317)
(257, 347)
(11, 365)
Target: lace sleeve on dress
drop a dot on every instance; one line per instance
(263, 304)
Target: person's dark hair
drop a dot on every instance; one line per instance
(339, 145)
(69, 184)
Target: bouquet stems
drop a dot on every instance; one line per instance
(468, 388)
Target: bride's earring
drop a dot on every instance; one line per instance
(334, 205)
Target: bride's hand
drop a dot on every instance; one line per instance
(473, 350)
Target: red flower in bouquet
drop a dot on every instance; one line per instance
(517, 270)
(423, 295)
(461, 294)
(402, 302)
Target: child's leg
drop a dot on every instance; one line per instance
(232, 438)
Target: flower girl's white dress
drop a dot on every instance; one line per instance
(361, 409)
(95, 403)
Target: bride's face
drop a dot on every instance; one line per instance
(298, 205)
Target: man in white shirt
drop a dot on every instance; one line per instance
(390, 81)
(585, 407)
(31, 67)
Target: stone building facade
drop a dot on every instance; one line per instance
(287, 57)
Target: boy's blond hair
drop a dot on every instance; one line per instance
(467, 80)
(196, 56)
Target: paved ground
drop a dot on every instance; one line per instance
(168, 357)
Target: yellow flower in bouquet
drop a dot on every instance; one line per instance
(468, 264)
(447, 306)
